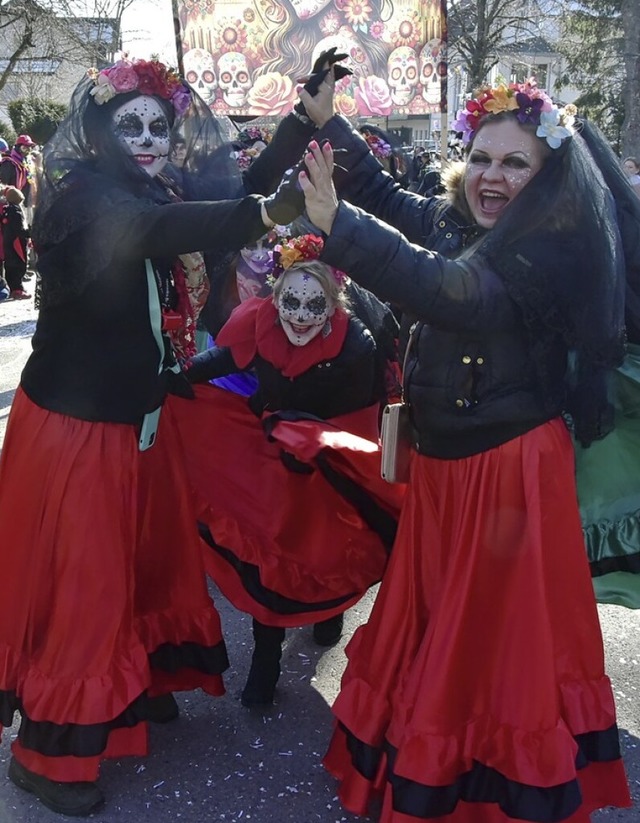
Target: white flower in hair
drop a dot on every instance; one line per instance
(551, 129)
(103, 91)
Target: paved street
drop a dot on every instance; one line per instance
(221, 762)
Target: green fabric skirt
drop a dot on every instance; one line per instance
(608, 481)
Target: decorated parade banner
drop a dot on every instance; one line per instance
(244, 57)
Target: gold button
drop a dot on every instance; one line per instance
(480, 360)
(442, 224)
(466, 360)
(459, 403)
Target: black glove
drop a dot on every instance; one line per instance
(215, 362)
(318, 74)
(287, 201)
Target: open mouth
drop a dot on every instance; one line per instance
(492, 202)
(299, 329)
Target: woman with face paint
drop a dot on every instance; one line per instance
(476, 693)
(105, 610)
(302, 535)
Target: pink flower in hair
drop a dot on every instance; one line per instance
(122, 76)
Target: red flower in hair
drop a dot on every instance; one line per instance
(150, 78)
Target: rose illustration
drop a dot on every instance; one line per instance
(346, 105)
(373, 97)
(271, 94)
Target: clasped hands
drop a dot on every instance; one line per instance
(316, 102)
(311, 188)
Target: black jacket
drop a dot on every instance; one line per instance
(470, 379)
(331, 388)
(94, 354)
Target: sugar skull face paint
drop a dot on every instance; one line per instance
(142, 127)
(503, 158)
(303, 307)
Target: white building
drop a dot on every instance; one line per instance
(62, 50)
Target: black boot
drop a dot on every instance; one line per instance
(265, 665)
(162, 709)
(73, 799)
(328, 632)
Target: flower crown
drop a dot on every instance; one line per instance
(530, 105)
(296, 250)
(379, 147)
(146, 76)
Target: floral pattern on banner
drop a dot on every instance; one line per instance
(245, 56)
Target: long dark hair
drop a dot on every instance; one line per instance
(289, 45)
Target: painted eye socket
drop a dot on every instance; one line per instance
(208, 76)
(191, 77)
(317, 305)
(159, 127)
(130, 125)
(478, 159)
(290, 303)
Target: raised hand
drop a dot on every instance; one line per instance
(287, 202)
(316, 97)
(317, 184)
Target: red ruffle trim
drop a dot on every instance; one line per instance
(252, 504)
(201, 627)
(83, 701)
(601, 784)
(364, 561)
(101, 698)
(126, 742)
(545, 757)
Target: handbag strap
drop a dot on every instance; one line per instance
(155, 318)
(412, 329)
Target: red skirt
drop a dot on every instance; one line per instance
(104, 592)
(476, 692)
(292, 538)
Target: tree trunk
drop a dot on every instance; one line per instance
(631, 92)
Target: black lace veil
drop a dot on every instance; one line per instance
(627, 205)
(85, 146)
(559, 250)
